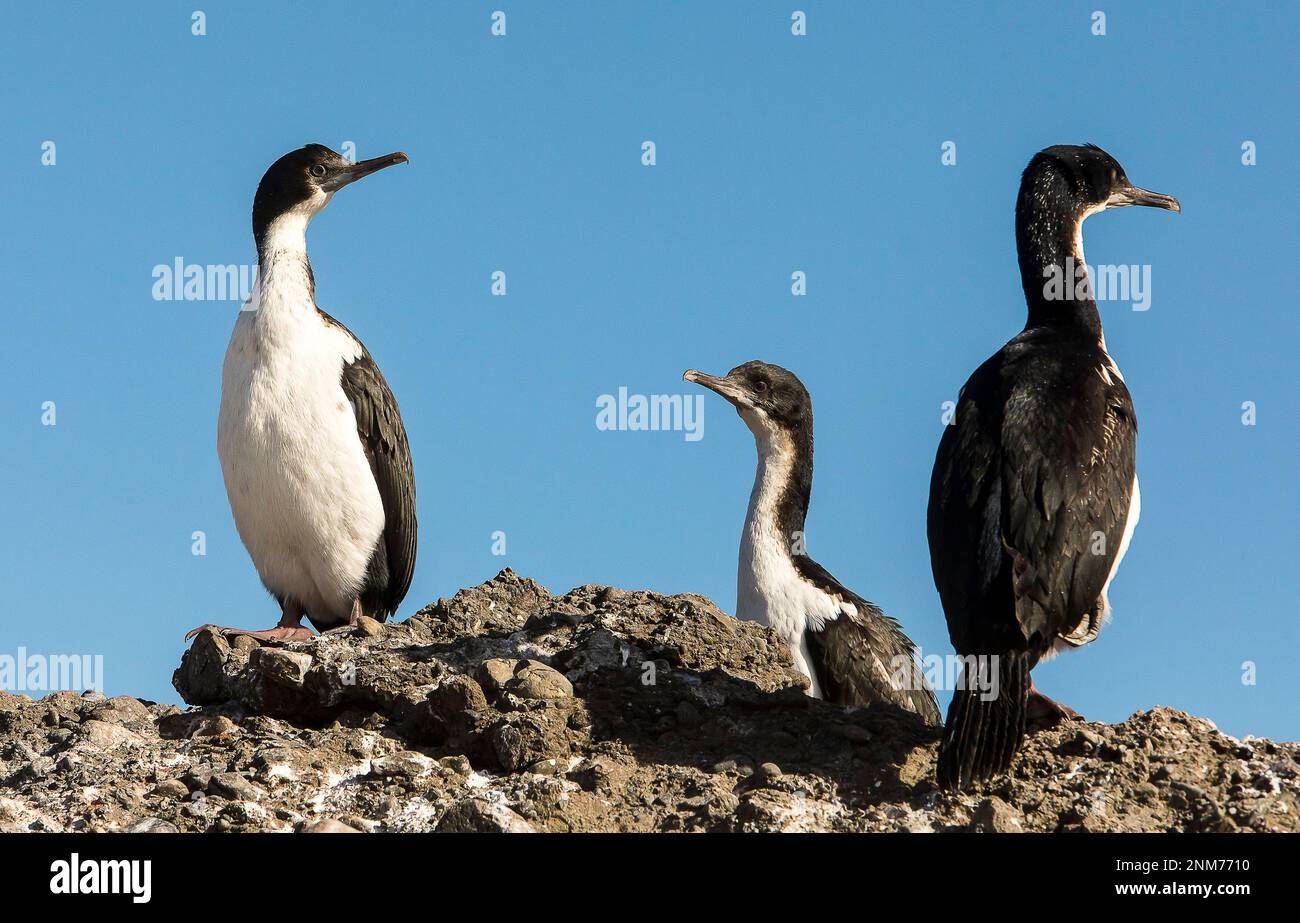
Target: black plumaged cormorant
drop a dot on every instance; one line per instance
(1034, 496)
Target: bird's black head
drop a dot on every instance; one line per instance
(766, 396)
(1061, 187)
(301, 183)
(1074, 181)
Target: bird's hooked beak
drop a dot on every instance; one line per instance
(353, 172)
(725, 387)
(1136, 195)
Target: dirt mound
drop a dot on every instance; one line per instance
(507, 708)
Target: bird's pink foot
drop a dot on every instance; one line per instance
(279, 633)
(1042, 712)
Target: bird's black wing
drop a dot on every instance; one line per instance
(379, 425)
(1030, 496)
(864, 657)
(964, 522)
(1068, 489)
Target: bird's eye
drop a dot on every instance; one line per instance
(318, 170)
(760, 385)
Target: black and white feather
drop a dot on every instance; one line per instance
(383, 438)
(851, 652)
(313, 450)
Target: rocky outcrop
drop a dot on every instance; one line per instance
(505, 708)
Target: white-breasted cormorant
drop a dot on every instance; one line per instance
(313, 450)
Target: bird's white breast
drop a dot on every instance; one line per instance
(300, 486)
(769, 589)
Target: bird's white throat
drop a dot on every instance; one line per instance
(769, 589)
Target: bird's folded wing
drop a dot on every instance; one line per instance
(863, 656)
(1066, 489)
(384, 437)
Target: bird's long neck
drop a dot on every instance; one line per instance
(1049, 243)
(778, 504)
(286, 287)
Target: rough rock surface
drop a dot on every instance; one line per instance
(505, 708)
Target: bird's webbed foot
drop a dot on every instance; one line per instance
(1042, 712)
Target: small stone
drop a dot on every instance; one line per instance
(108, 736)
(214, 726)
(153, 825)
(328, 825)
(767, 774)
(509, 745)
(196, 779)
(405, 764)
(536, 680)
(520, 740)
(356, 823)
(286, 668)
(1093, 823)
(993, 815)
(1146, 792)
(737, 763)
(122, 708)
(1084, 742)
(170, 788)
(493, 674)
(38, 768)
(458, 763)
(450, 708)
(366, 627)
(243, 644)
(235, 787)
(1118, 754)
(474, 815)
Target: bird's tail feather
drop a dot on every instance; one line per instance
(983, 731)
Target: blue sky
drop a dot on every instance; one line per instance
(774, 153)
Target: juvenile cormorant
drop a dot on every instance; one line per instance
(851, 652)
